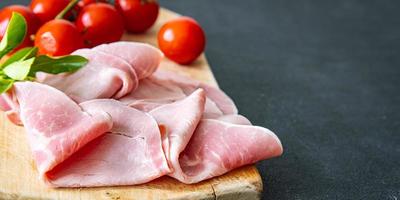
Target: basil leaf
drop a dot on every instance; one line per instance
(5, 84)
(19, 70)
(57, 65)
(14, 35)
(22, 54)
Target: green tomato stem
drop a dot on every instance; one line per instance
(71, 4)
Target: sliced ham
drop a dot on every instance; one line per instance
(4, 104)
(9, 104)
(154, 92)
(160, 124)
(129, 154)
(188, 85)
(142, 57)
(235, 119)
(112, 72)
(199, 149)
(56, 126)
(217, 147)
(179, 127)
(93, 81)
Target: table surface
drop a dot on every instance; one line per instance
(323, 75)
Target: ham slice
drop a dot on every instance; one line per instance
(9, 104)
(112, 72)
(155, 91)
(56, 126)
(179, 128)
(188, 85)
(129, 154)
(217, 147)
(142, 57)
(199, 149)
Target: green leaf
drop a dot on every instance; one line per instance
(19, 70)
(20, 55)
(14, 35)
(57, 65)
(5, 84)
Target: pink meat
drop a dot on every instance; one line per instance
(9, 104)
(224, 103)
(199, 149)
(111, 61)
(154, 92)
(217, 147)
(142, 57)
(235, 119)
(4, 105)
(8, 101)
(129, 154)
(56, 126)
(107, 75)
(179, 127)
(93, 81)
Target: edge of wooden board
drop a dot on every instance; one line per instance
(19, 179)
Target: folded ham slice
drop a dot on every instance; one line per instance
(129, 154)
(199, 149)
(56, 126)
(138, 55)
(112, 71)
(217, 147)
(179, 127)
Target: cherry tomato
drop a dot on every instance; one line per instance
(182, 40)
(100, 23)
(31, 20)
(139, 15)
(58, 37)
(81, 4)
(47, 10)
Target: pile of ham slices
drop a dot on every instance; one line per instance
(120, 121)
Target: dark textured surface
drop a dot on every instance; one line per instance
(323, 75)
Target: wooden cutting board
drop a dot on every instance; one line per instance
(19, 178)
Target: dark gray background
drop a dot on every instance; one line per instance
(323, 75)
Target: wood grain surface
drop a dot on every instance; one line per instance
(19, 178)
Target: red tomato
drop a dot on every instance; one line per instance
(182, 40)
(139, 15)
(100, 23)
(31, 20)
(58, 37)
(47, 10)
(81, 4)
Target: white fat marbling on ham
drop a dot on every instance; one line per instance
(131, 153)
(56, 126)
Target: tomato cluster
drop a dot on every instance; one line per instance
(90, 22)
(59, 27)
